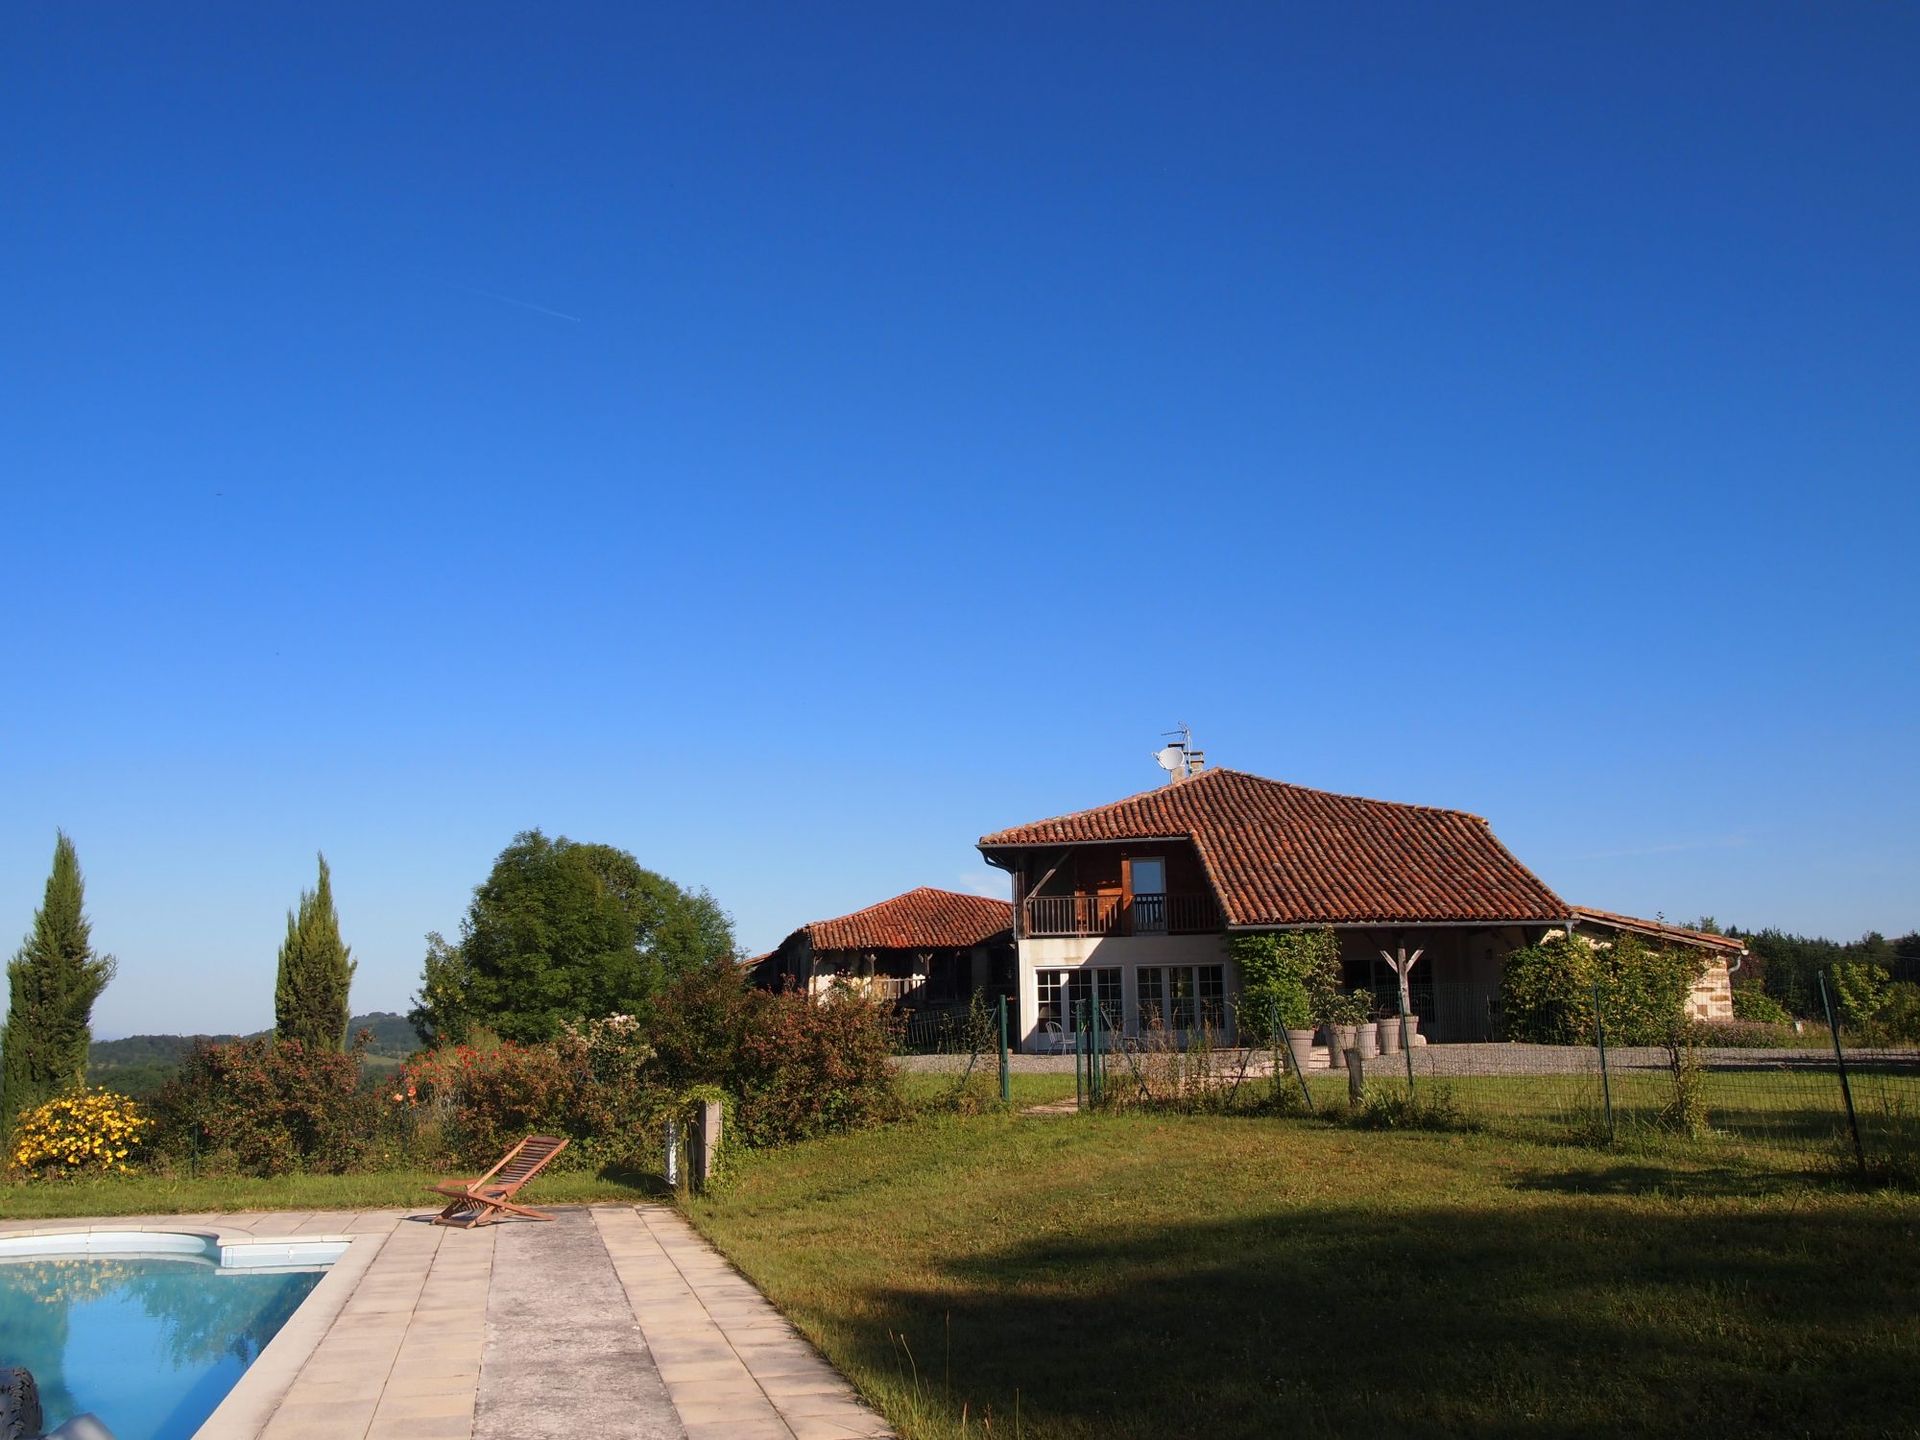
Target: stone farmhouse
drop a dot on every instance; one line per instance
(1130, 905)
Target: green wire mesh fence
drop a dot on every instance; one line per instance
(1809, 1094)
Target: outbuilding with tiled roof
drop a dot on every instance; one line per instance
(925, 949)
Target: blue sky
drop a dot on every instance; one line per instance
(788, 442)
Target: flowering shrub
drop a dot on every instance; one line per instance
(806, 1067)
(80, 1133)
(497, 1097)
(266, 1108)
(589, 1084)
(696, 1025)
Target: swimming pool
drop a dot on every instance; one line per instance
(148, 1331)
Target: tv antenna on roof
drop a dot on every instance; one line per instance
(1179, 759)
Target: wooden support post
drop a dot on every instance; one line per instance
(1402, 966)
(1356, 1075)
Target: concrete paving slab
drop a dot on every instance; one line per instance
(619, 1321)
(713, 1334)
(564, 1356)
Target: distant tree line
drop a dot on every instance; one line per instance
(1788, 967)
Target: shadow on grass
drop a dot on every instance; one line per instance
(649, 1183)
(1586, 1316)
(1657, 1179)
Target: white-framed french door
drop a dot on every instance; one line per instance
(1067, 994)
(1180, 998)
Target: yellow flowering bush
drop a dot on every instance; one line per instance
(84, 1132)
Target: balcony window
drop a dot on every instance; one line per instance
(1150, 896)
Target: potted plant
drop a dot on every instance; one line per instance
(1296, 1019)
(1351, 1028)
(1389, 1025)
(1336, 1024)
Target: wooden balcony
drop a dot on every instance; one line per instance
(1112, 915)
(892, 988)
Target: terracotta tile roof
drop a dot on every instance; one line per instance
(1282, 854)
(923, 919)
(1679, 934)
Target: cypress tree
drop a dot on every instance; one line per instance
(52, 983)
(310, 995)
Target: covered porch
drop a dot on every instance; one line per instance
(1452, 973)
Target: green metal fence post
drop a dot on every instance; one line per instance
(1279, 1039)
(1846, 1086)
(1097, 1070)
(1006, 1079)
(1294, 1062)
(1600, 1042)
(1079, 1082)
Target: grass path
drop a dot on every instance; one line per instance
(1134, 1275)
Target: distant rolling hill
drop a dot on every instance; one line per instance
(140, 1064)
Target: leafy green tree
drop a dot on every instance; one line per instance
(1547, 990)
(1859, 987)
(51, 986)
(564, 931)
(316, 971)
(442, 1012)
(1789, 967)
(1285, 975)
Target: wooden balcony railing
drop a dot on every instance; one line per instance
(1110, 915)
(879, 987)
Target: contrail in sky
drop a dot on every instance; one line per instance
(523, 304)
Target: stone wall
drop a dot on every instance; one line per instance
(1712, 995)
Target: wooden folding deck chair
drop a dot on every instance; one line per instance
(482, 1201)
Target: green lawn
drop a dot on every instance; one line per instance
(924, 1088)
(1791, 1118)
(407, 1189)
(1138, 1275)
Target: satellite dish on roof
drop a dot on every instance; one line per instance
(1180, 760)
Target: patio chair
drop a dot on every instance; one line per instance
(482, 1201)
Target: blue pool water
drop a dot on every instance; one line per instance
(149, 1344)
